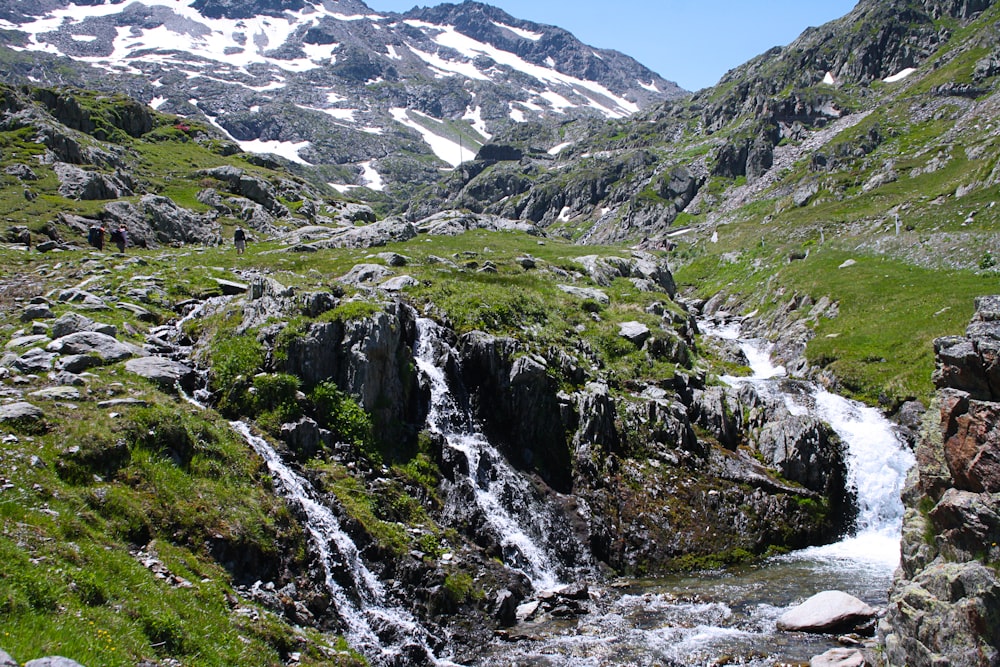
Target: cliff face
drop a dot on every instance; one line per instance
(944, 603)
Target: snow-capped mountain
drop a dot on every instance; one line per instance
(374, 98)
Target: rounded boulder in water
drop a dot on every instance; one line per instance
(829, 611)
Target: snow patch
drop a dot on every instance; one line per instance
(448, 150)
(520, 32)
(475, 118)
(286, 149)
(373, 179)
(651, 86)
(391, 51)
(899, 76)
(559, 148)
(829, 79)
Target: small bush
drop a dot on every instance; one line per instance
(235, 360)
(340, 413)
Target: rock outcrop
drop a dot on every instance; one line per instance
(944, 606)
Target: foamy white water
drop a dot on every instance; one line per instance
(877, 461)
(497, 485)
(362, 608)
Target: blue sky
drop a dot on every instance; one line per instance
(692, 42)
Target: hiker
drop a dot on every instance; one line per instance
(95, 236)
(240, 240)
(120, 237)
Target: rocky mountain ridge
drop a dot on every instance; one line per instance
(366, 99)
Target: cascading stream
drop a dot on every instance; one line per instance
(362, 609)
(502, 494)
(877, 462)
(387, 636)
(706, 618)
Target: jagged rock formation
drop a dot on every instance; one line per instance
(945, 601)
(324, 82)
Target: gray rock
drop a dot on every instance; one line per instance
(83, 299)
(164, 372)
(370, 236)
(140, 313)
(53, 661)
(398, 283)
(21, 411)
(77, 363)
(37, 312)
(232, 288)
(806, 451)
(840, 657)
(109, 350)
(829, 611)
(365, 273)
(636, 332)
(35, 360)
(77, 183)
(591, 293)
(56, 394)
(75, 322)
(6, 660)
(25, 341)
(22, 172)
(393, 258)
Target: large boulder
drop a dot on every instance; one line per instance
(165, 373)
(107, 349)
(944, 604)
(829, 611)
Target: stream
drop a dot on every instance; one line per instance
(729, 617)
(704, 618)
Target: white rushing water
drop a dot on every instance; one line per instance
(877, 461)
(707, 617)
(386, 635)
(502, 494)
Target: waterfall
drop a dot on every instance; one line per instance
(504, 496)
(385, 635)
(877, 461)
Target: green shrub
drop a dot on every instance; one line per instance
(274, 400)
(235, 360)
(341, 414)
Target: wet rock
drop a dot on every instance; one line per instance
(830, 611)
(840, 657)
(304, 437)
(166, 373)
(505, 609)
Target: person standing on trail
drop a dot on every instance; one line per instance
(120, 237)
(240, 240)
